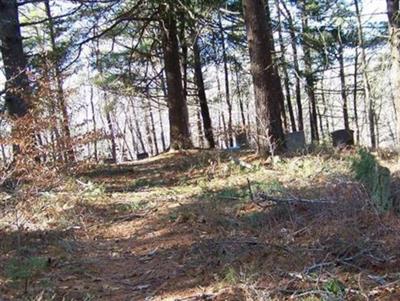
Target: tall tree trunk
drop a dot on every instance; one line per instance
(137, 125)
(225, 136)
(14, 60)
(17, 89)
(285, 71)
(178, 111)
(309, 75)
(164, 89)
(153, 127)
(205, 113)
(199, 129)
(355, 106)
(96, 157)
(111, 131)
(149, 137)
(240, 99)
(275, 72)
(343, 90)
(59, 86)
(324, 102)
(128, 118)
(226, 74)
(394, 21)
(367, 86)
(268, 107)
(293, 39)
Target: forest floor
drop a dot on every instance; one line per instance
(197, 226)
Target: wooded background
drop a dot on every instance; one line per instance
(111, 79)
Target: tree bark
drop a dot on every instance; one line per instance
(14, 60)
(285, 71)
(153, 128)
(342, 76)
(111, 130)
(59, 86)
(367, 86)
(178, 111)
(293, 39)
(394, 22)
(309, 76)
(355, 106)
(205, 113)
(226, 74)
(268, 107)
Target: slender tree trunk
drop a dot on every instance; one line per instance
(285, 71)
(394, 21)
(138, 131)
(278, 92)
(226, 74)
(178, 111)
(241, 107)
(205, 113)
(268, 107)
(342, 75)
(3, 154)
(367, 86)
(221, 104)
(324, 102)
(153, 128)
(164, 145)
(96, 157)
(355, 106)
(224, 128)
(128, 118)
(111, 131)
(59, 86)
(149, 137)
(200, 129)
(293, 39)
(309, 76)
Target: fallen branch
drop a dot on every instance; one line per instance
(264, 201)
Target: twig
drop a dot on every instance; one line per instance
(265, 197)
(250, 191)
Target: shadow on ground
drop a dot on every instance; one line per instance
(217, 238)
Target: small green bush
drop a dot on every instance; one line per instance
(375, 178)
(25, 269)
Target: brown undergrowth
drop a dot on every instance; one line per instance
(185, 226)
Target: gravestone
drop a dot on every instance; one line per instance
(109, 161)
(241, 140)
(295, 141)
(142, 156)
(342, 138)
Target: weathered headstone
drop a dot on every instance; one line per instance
(109, 161)
(241, 140)
(295, 141)
(342, 138)
(142, 156)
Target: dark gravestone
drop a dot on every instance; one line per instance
(241, 140)
(295, 141)
(109, 161)
(141, 156)
(342, 138)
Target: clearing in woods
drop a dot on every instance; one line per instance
(186, 226)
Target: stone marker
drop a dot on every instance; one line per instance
(295, 141)
(241, 140)
(342, 138)
(141, 156)
(109, 161)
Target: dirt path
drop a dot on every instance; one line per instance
(183, 227)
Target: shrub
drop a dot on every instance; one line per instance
(375, 178)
